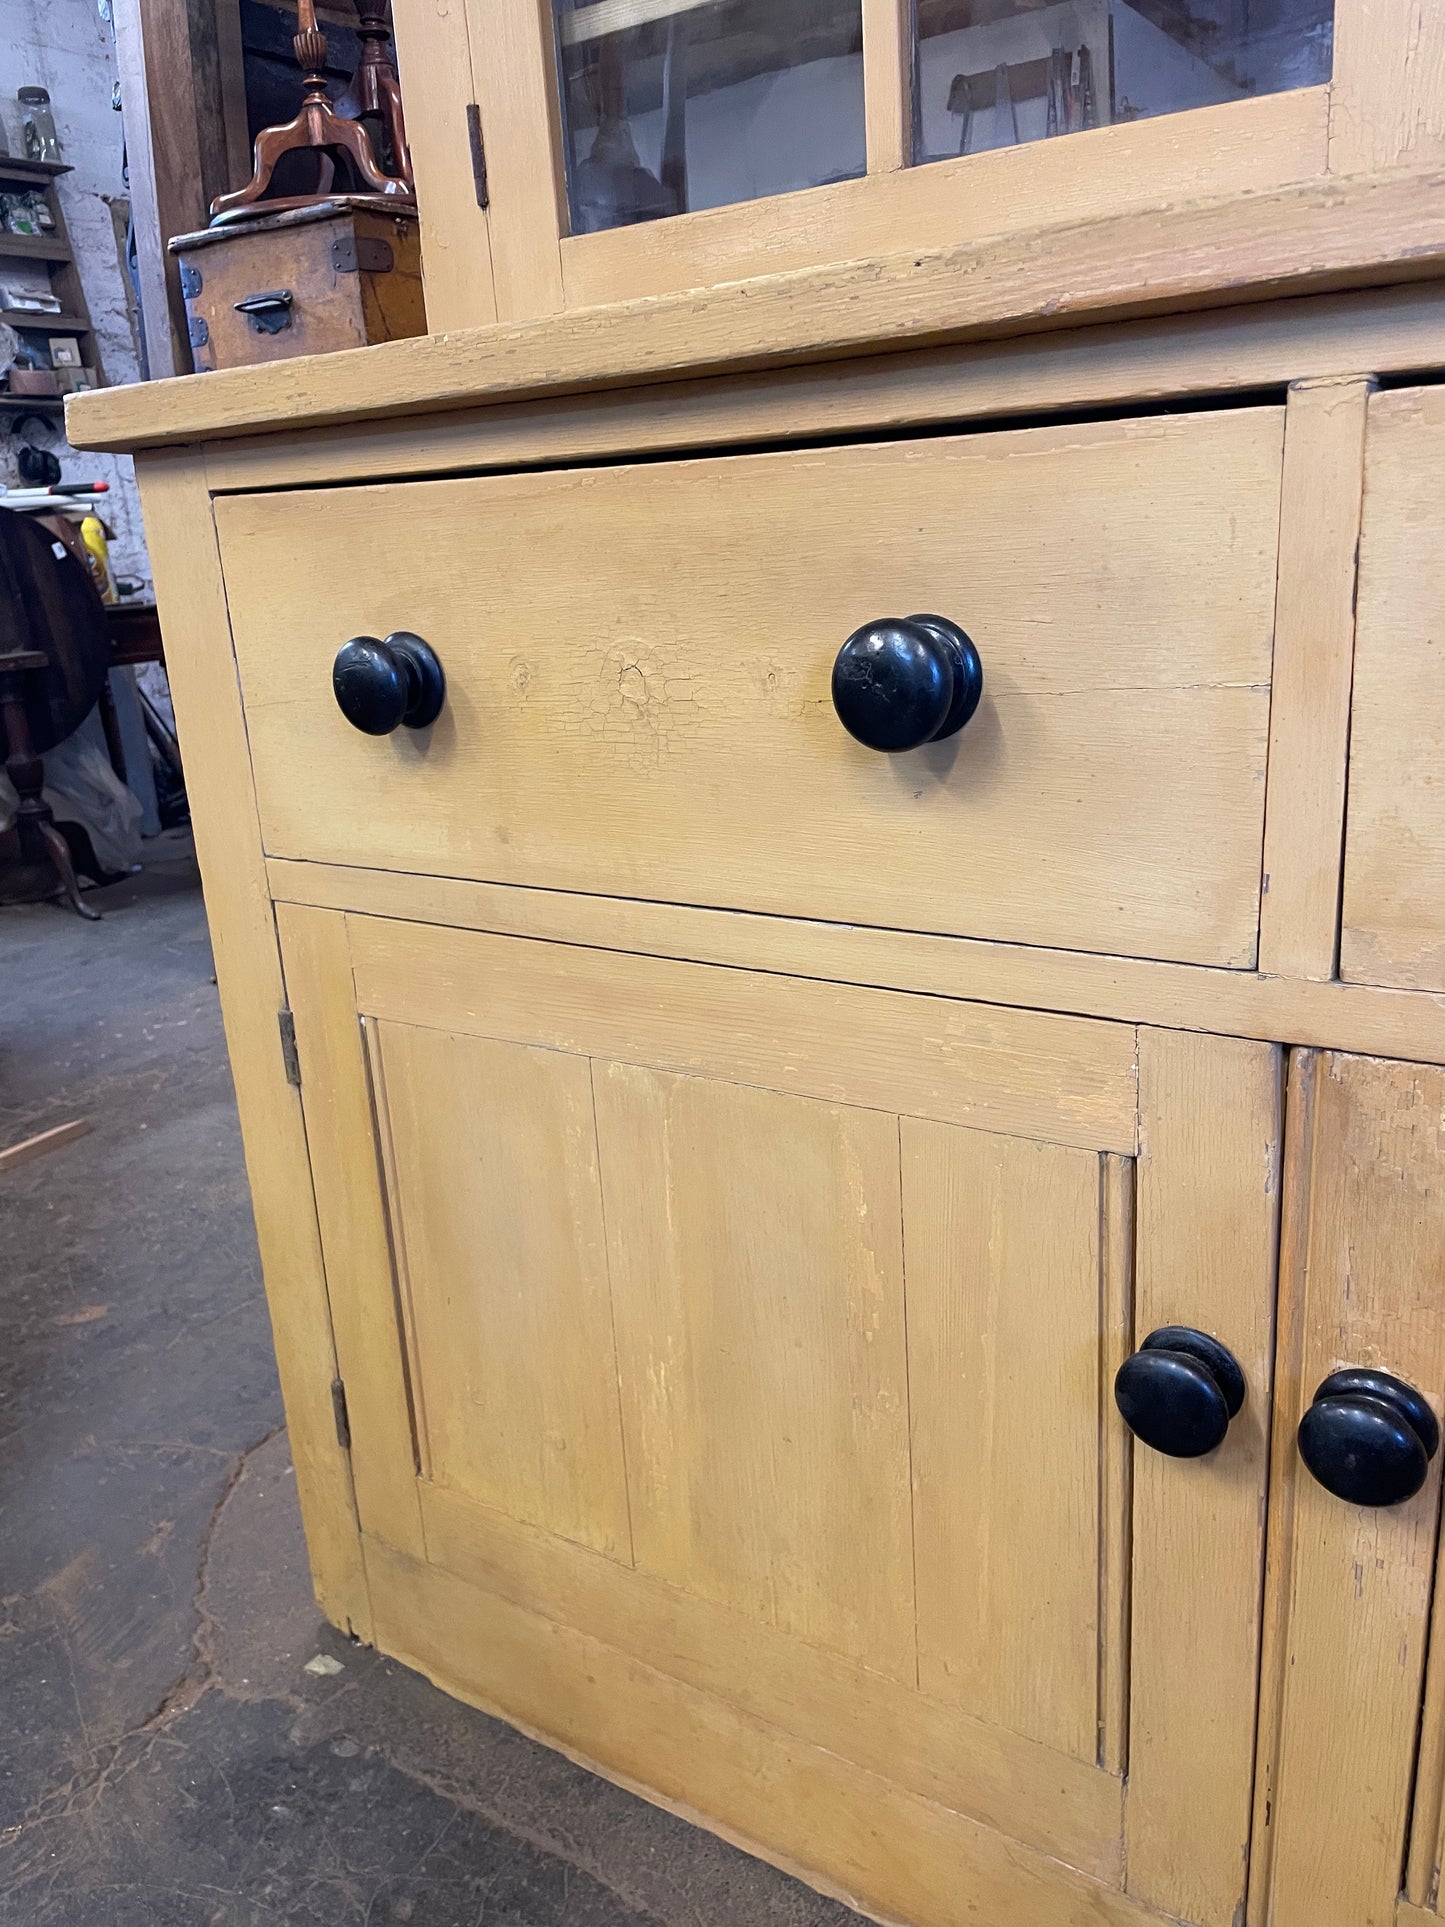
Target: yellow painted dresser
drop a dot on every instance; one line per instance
(824, 828)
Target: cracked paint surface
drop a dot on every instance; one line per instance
(165, 1758)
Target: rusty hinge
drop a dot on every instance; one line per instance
(343, 1417)
(479, 153)
(290, 1057)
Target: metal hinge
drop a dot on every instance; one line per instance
(362, 254)
(343, 1417)
(479, 153)
(289, 1054)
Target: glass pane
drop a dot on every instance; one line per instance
(670, 105)
(993, 73)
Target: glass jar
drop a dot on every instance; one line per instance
(37, 124)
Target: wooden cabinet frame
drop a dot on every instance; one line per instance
(1384, 109)
(522, 1655)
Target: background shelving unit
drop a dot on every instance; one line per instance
(55, 251)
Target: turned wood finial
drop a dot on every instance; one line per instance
(332, 130)
(309, 45)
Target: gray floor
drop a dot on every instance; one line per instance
(165, 1758)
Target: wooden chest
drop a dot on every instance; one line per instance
(306, 282)
(876, 1236)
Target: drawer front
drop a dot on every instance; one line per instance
(1393, 925)
(638, 667)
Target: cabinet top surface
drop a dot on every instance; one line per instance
(1362, 232)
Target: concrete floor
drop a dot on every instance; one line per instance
(165, 1758)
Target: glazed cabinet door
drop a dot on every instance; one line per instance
(729, 1361)
(1351, 1769)
(639, 147)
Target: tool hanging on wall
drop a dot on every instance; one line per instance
(968, 97)
(333, 135)
(1072, 106)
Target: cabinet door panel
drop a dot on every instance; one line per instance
(757, 1272)
(1004, 1351)
(747, 1343)
(496, 1216)
(1351, 1587)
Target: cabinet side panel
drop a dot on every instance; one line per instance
(202, 671)
(1208, 1189)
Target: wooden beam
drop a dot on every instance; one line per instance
(43, 1141)
(1216, 253)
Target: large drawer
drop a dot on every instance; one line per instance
(638, 667)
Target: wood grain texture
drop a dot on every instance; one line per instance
(1221, 252)
(888, 84)
(1387, 105)
(1118, 579)
(433, 39)
(1058, 1806)
(924, 1056)
(1350, 1604)
(355, 1233)
(850, 1832)
(1394, 891)
(1229, 349)
(331, 309)
(1117, 1239)
(1208, 1197)
(511, 43)
(757, 1274)
(497, 1205)
(192, 601)
(1004, 1386)
(1390, 1023)
(1241, 147)
(1314, 635)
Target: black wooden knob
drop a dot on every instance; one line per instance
(381, 684)
(1369, 1438)
(1179, 1391)
(902, 682)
